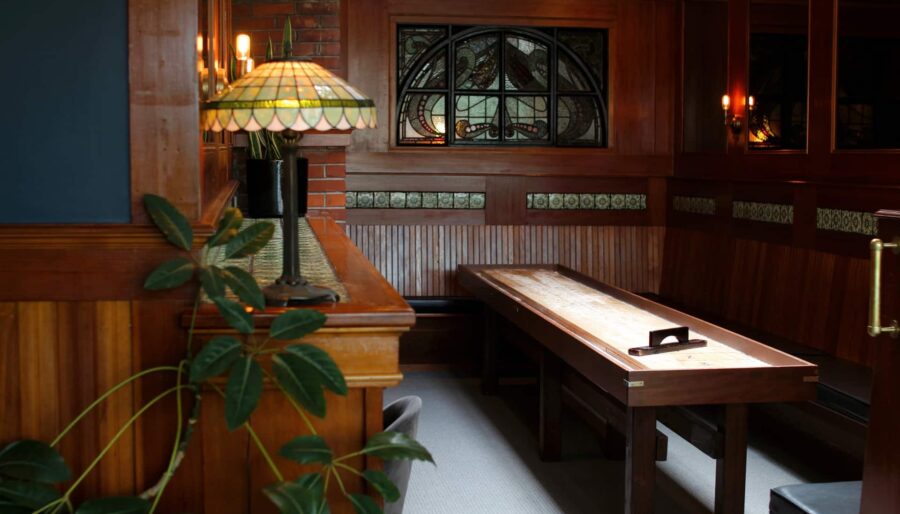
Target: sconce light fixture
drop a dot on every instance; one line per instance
(732, 121)
(242, 55)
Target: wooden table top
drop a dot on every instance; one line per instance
(371, 300)
(584, 320)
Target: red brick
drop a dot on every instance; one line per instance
(318, 7)
(326, 184)
(315, 200)
(304, 22)
(330, 63)
(335, 200)
(328, 21)
(254, 24)
(335, 171)
(272, 9)
(329, 49)
(240, 11)
(316, 171)
(316, 155)
(336, 157)
(331, 35)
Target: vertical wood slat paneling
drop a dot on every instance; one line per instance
(421, 260)
(57, 357)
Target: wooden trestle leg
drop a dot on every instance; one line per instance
(489, 379)
(731, 468)
(640, 459)
(550, 433)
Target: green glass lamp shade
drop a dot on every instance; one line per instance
(288, 94)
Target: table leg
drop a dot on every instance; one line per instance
(731, 469)
(550, 433)
(640, 459)
(489, 379)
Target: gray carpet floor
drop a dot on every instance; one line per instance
(487, 461)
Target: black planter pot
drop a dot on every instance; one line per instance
(264, 187)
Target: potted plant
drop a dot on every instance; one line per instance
(34, 478)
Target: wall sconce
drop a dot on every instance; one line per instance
(732, 121)
(242, 54)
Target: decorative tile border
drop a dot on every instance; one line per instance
(414, 200)
(694, 204)
(765, 212)
(840, 220)
(586, 201)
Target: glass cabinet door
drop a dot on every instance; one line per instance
(705, 75)
(868, 75)
(777, 102)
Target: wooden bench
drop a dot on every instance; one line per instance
(585, 329)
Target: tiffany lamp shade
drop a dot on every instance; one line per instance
(289, 95)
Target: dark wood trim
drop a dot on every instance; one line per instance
(640, 459)
(731, 468)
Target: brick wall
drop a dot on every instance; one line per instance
(317, 34)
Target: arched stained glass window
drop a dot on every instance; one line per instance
(469, 85)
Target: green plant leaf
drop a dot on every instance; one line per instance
(170, 274)
(323, 365)
(169, 221)
(313, 482)
(244, 286)
(215, 358)
(228, 227)
(287, 41)
(242, 391)
(382, 484)
(396, 446)
(293, 498)
(234, 314)
(33, 460)
(9, 507)
(28, 494)
(307, 449)
(250, 240)
(212, 281)
(115, 505)
(300, 382)
(270, 50)
(296, 323)
(364, 504)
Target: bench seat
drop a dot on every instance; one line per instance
(831, 498)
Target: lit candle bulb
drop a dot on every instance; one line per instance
(726, 102)
(249, 66)
(751, 103)
(242, 46)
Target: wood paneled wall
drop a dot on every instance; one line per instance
(55, 359)
(421, 260)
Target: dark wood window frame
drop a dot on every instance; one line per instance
(545, 35)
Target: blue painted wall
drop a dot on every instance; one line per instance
(64, 154)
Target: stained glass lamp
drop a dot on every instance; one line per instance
(290, 95)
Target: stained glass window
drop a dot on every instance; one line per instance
(470, 85)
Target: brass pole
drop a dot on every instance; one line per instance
(875, 329)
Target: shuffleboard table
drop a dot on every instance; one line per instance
(588, 326)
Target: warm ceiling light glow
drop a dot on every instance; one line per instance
(199, 43)
(726, 102)
(242, 45)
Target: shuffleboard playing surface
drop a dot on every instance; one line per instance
(613, 325)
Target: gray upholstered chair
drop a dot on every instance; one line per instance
(833, 498)
(401, 415)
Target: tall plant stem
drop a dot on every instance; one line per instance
(106, 395)
(170, 469)
(257, 441)
(293, 402)
(337, 477)
(118, 435)
(193, 322)
(265, 453)
(348, 468)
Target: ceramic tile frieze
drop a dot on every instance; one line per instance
(414, 200)
(694, 204)
(764, 212)
(840, 220)
(586, 201)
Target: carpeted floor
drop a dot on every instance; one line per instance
(487, 462)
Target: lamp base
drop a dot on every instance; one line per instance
(282, 294)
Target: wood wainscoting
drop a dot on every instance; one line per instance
(804, 295)
(421, 260)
